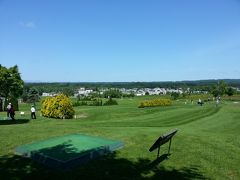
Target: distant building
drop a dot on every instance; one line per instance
(140, 93)
(48, 94)
(157, 91)
(175, 91)
(83, 92)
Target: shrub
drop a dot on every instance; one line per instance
(155, 102)
(110, 102)
(57, 107)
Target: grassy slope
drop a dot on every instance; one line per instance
(206, 146)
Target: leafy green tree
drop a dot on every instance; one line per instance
(230, 91)
(68, 92)
(219, 89)
(113, 93)
(11, 85)
(175, 95)
(215, 91)
(30, 95)
(1, 105)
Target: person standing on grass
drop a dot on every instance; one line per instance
(217, 102)
(199, 101)
(8, 109)
(33, 112)
(12, 112)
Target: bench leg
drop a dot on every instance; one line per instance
(169, 146)
(158, 152)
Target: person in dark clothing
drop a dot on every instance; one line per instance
(12, 112)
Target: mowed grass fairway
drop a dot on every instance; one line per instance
(207, 145)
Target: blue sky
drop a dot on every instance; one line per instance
(121, 40)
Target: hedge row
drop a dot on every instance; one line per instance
(57, 107)
(155, 102)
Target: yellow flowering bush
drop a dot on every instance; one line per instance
(155, 102)
(59, 106)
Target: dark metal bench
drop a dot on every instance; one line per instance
(162, 140)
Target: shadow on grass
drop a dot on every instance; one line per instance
(17, 121)
(62, 152)
(107, 167)
(159, 160)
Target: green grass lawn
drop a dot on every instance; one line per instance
(207, 145)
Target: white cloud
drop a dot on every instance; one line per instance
(28, 24)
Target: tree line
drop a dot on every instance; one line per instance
(194, 85)
(13, 87)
